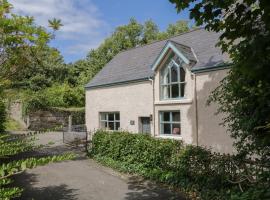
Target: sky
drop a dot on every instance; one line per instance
(88, 22)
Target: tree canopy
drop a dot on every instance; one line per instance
(244, 94)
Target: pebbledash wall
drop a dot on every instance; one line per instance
(142, 99)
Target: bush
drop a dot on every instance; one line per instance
(2, 116)
(193, 169)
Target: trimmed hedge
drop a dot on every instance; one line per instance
(196, 170)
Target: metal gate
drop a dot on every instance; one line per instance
(75, 136)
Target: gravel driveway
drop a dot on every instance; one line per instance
(84, 179)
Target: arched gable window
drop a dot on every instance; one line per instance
(173, 80)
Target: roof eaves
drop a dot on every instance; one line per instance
(212, 68)
(169, 45)
(118, 83)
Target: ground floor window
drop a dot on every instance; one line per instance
(110, 120)
(170, 123)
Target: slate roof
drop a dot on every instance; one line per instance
(185, 50)
(135, 64)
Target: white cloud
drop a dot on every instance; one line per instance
(82, 20)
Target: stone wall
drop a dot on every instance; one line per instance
(44, 120)
(49, 119)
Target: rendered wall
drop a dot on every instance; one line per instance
(132, 100)
(211, 133)
(185, 106)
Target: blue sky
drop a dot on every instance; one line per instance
(88, 22)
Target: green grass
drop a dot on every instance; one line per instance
(13, 125)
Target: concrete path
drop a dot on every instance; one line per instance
(84, 179)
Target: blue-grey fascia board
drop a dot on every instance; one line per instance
(212, 68)
(119, 83)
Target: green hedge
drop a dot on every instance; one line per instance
(2, 116)
(193, 169)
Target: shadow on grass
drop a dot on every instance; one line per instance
(27, 182)
(139, 189)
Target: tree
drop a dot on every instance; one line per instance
(150, 32)
(20, 43)
(124, 37)
(55, 24)
(177, 28)
(244, 94)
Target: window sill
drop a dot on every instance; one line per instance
(173, 137)
(177, 101)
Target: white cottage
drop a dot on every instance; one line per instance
(161, 89)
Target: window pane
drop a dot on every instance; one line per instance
(117, 116)
(103, 125)
(176, 130)
(182, 74)
(178, 61)
(103, 116)
(166, 116)
(176, 116)
(117, 125)
(111, 116)
(166, 92)
(174, 73)
(166, 128)
(175, 90)
(165, 76)
(111, 125)
(182, 88)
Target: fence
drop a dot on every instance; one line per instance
(75, 136)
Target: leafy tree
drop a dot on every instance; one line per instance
(244, 93)
(123, 38)
(20, 42)
(177, 28)
(55, 24)
(150, 32)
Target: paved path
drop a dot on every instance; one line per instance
(84, 179)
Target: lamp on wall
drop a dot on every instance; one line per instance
(151, 117)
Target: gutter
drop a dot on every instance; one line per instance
(212, 68)
(118, 83)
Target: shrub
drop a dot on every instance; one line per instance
(2, 115)
(194, 169)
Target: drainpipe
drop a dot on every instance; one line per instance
(153, 93)
(196, 110)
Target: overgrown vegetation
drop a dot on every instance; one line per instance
(244, 94)
(196, 170)
(13, 125)
(45, 81)
(21, 42)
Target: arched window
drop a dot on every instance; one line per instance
(173, 80)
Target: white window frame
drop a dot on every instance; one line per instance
(170, 83)
(171, 122)
(107, 120)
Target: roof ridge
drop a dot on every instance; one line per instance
(179, 43)
(192, 30)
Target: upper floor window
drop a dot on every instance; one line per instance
(173, 80)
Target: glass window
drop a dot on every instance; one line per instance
(170, 123)
(110, 121)
(173, 80)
